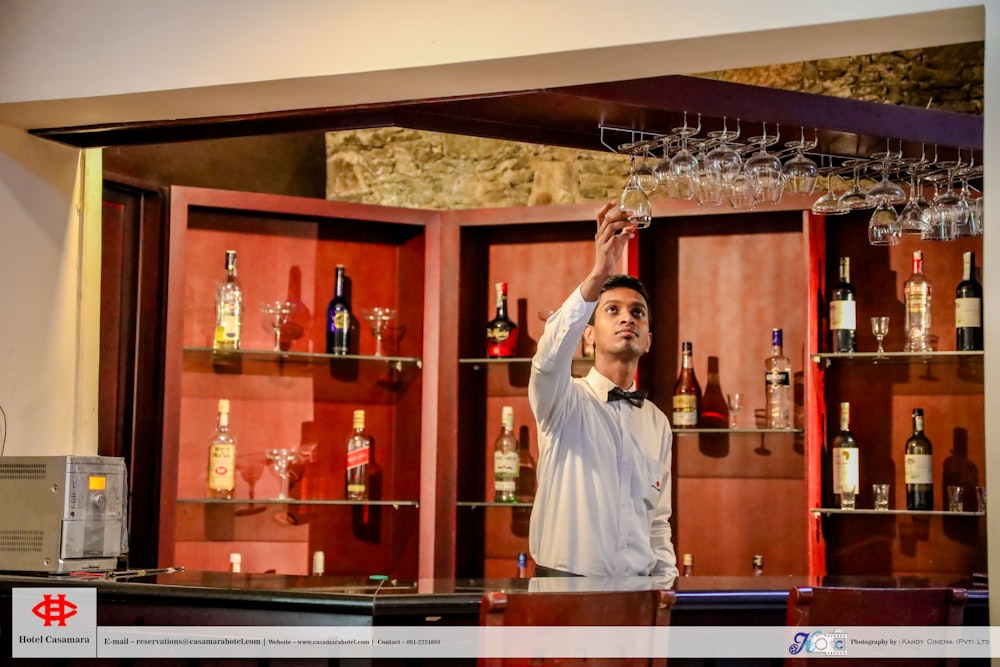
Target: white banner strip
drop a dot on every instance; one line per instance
(562, 641)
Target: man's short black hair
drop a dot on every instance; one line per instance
(623, 280)
(616, 280)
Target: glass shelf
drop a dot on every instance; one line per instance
(874, 358)
(832, 510)
(209, 355)
(476, 363)
(467, 503)
(396, 504)
(738, 431)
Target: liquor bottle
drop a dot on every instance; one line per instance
(969, 307)
(338, 318)
(687, 392)
(359, 457)
(758, 565)
(228, 309)
(506, 461)
(845, 454)
(501, 331)
(688, 562)
(235, 562)
(778, 385)
(319, 563)
(522, 565)
(222, 457)
(918, 467)
(527, 478)
(843, 312)
(917, 295)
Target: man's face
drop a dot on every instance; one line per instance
(621, 324)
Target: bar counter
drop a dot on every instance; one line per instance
(223, 598)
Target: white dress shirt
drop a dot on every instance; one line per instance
(603, 499)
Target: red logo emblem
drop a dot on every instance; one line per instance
(54, 610)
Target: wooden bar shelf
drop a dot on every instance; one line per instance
(271, 356)
(395, 504)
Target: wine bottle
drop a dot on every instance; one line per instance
(527, 478)
(917, 295)
(687, 561)
(338, 318)
(228, 309)
(359, 457)
(501, 331)
(778, 385)
(687, 392)
(222, 457)
(918, 467)
(506, 460)
(843, 312)
(969, 307)
(845, 455)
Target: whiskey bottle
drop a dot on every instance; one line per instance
(969, 307)
(845, 455)
(688, 565)
(918, 466)
(687, 392)
(843, 312)
(359, 456)
(222, 457)
(501, 331)
(506, 461)
(917, 295)
(228, 309)
(778, 385)
(338, 318)
(527, 478)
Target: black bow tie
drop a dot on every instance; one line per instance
(634, 397)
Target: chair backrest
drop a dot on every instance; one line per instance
(610, 608)
(832, 608)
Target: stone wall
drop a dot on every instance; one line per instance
(411, 168)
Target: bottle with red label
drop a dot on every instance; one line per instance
(501, 331)
(359, 459)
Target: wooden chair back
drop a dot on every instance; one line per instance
(607, 608)
(831, 608)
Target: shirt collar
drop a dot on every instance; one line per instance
(601, 385)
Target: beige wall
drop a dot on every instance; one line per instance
(49, 297)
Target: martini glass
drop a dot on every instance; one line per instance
(378, 319)
(277, 313)
(281, 460)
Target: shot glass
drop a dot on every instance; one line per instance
(880, 492)
(847, 494)
(955, 499)
(981, 498)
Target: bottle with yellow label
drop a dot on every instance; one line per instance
(228, 309)
(222, 457)
(338, 318)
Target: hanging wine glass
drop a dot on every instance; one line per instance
(885, 190)
(764, 170)
(829, 202)
(723, 162)
(912, 219)
(683, 177)
(883, 228)
(800, 173)
(856, 198)
(644, 173)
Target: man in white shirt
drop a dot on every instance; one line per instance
(603, 500)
